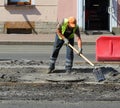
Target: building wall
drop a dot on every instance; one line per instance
(44, 10)
(41, 18)
(67, 8)
(44, 15)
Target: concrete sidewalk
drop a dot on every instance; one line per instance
(40, 39)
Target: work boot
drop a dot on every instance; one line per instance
(51, 68)
(68, 69)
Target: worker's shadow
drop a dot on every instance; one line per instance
(105, 70)
(59, 71)
(75, 70)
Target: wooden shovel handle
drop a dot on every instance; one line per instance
(81, 55)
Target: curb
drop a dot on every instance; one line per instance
(38, 43)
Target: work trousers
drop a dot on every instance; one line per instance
(69, 52)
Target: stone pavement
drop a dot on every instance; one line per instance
(33, 39)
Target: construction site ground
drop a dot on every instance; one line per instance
(28, 80)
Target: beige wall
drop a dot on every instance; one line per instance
(1, 2)
(67, 8)
(44, 10)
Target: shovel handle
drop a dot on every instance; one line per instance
(81, 55)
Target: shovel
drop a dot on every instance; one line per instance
(97, 71)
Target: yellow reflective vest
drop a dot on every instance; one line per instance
(64, 26)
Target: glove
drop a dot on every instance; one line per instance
(66, 41)
(80, 51)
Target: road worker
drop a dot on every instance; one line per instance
(64, 35)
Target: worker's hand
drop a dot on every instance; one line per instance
(79, 51)
(66, 41)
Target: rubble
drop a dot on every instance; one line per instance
(28, 80)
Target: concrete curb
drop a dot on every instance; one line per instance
(37, 43)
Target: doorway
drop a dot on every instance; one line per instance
(96, 15)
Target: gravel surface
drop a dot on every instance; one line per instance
(28, 80)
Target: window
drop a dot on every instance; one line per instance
(19, 2)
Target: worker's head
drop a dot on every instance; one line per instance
(72, 22)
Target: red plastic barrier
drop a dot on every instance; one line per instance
(108, 48)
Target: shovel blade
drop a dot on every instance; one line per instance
(98, 74)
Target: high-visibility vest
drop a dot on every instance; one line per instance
(64, 26)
